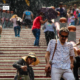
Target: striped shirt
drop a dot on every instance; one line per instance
(62, 54)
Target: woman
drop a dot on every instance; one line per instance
(16, 26)
(49, 30)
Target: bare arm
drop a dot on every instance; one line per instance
(42, 22)
(47, 55)
(23, 16)
(48, 66)
(72, 61)
(32, 16)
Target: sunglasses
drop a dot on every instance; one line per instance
(63, 36)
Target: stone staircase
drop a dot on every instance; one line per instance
(12, 48)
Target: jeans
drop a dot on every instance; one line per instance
(3, 24)
(36, 33)
(73, 23)
(17, 31)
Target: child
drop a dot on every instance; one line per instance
(72, 19)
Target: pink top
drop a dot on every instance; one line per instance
(14, 22)
(75, 14)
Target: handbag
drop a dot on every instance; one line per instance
(23, 77)
(48, 71)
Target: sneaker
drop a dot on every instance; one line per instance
(18, 35)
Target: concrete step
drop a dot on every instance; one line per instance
(16, 52)
(12, 68)
(11, 61)
(10, 64)
(14, 71)
(16, 58)
(13, 74)
(20, 54)
(11, 49)
(22, 48)
(41, 78)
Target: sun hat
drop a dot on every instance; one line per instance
(32, 55)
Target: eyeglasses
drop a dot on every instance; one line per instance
(63, 36)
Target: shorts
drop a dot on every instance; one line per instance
(27, 22)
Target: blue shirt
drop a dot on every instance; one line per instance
(49, 27)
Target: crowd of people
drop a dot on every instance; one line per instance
(63, 59)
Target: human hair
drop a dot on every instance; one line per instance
(41, 13)
(71, 14)
(32, 57)
(49, 21)
(64, 29)
(61, 3)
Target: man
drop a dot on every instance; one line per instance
(23, 67)
(76, 65)
(61, 10)
(62, 62)
(27, 16)
(36, 27)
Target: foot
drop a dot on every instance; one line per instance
(18, 35)
(35, 45)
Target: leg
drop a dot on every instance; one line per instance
(3, 24)
(18, 27)
(29, 23)
(75, 70)
(34, 33)
(61, 79)
(37, 37)
(15, 31)
(56, 73)
(68, 75)
(46, 37)
(51, 34)
(26, 23)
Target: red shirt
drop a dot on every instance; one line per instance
(36, 23)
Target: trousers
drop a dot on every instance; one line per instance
(57, 73)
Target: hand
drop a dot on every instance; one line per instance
(72, 66)
(48, 66)
(46, 20)
(24, 68)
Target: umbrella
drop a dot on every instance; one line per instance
(50, 13)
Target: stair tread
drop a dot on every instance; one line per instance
(10, 45)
